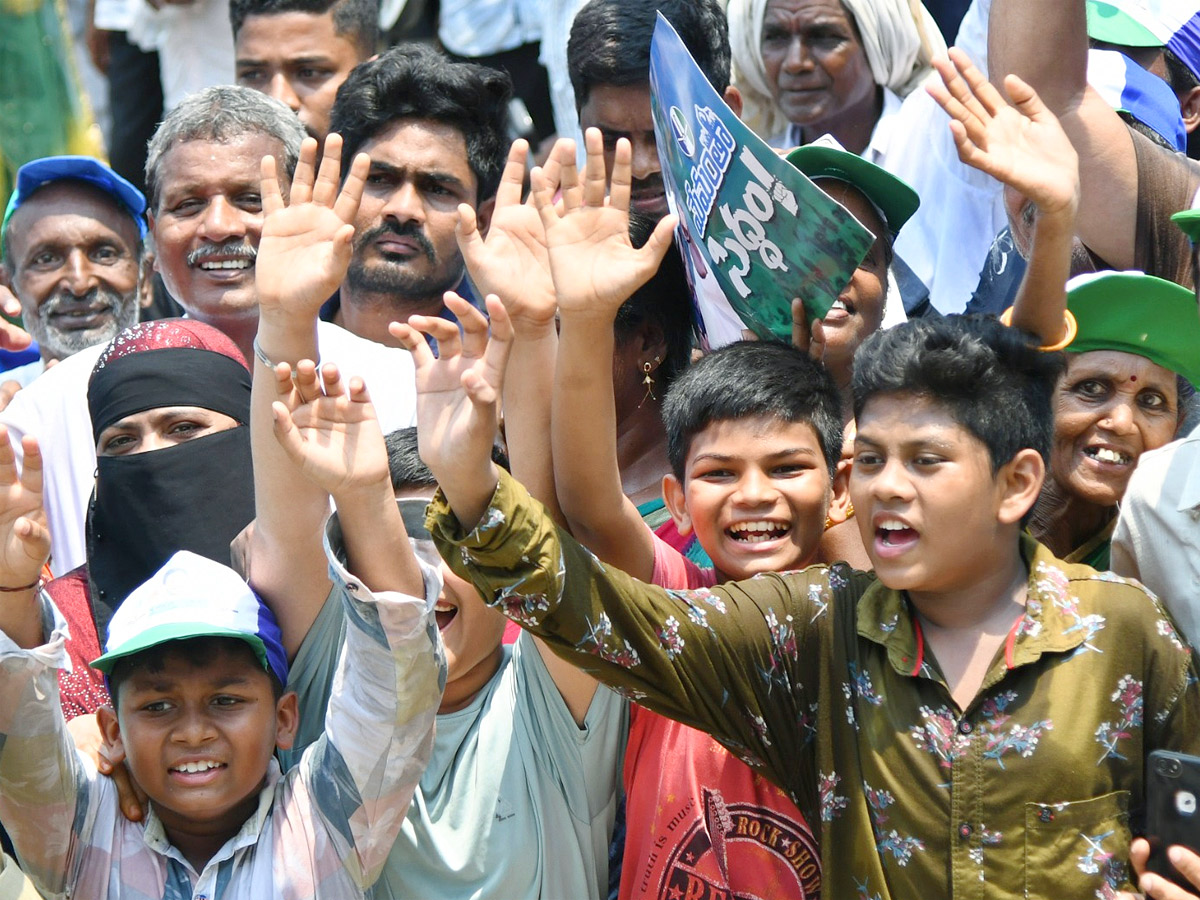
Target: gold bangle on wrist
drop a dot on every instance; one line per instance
(1069, 322)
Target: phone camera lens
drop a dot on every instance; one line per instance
(1170, 768)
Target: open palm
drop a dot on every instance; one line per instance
(24, 536)
(513, 261)
(1023, 145)
(458, 391)
(305, 247)
(593, 261)
(329, 430)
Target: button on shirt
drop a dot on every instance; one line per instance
(818, 679)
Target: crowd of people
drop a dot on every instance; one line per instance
(377, 520)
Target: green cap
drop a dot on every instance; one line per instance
(825, 158)
(1137, 313)
(1108, 23)
(1189, 223)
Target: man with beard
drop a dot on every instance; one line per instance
(436, 134)
(71, 243)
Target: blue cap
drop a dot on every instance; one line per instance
(37, 174)
(1129, 88)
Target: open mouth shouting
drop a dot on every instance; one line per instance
(444, 613)
(893, 536)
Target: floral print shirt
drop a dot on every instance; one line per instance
(820, 679)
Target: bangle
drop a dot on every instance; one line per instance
(24, 587)
(261, 356)
(1069, 323)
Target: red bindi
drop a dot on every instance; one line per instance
(1133, 378)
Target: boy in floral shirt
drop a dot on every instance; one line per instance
(972, 719)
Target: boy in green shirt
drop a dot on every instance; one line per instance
(971, 719)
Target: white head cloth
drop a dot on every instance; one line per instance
(900, 39)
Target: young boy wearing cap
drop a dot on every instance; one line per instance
(196, 669)
(935, 716)
(754, 436)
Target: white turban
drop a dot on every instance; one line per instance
(900, 39)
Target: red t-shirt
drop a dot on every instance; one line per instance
(700, 823)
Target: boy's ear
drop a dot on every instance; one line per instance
(839, 497)
(673, 497)
(1018, 483)
(287, 720)
(110, 731)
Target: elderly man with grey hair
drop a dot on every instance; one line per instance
(205, 213)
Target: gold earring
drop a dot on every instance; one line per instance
(648, 381)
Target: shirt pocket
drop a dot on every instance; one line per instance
(1077, 848)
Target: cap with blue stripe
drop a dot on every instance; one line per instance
(1174, 24)
(192, 597)
(1129, 88)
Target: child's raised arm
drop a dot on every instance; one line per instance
(332, 436)
(1025, 148)
(513, 263)
(457, 397)
(596, 268)
(302, 259)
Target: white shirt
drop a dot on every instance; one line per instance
(54, 409)
(1157, 539)
(483, 27)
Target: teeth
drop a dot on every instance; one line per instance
(443, 607)
(1111, 456)
(194, 767)
(892, 526)
(209, 265)
(838, 304)
(757, 532)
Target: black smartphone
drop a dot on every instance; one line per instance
(1172, 810)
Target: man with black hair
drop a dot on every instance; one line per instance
(436, 133)
(300, 51)
(609, 60)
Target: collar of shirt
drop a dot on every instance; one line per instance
(1051, 622)
(155, 835)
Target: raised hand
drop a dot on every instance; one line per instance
(1024, 147)
(328, 429)
(24, 536)
(305, 247)
(458, 392)
(595, 265)
(513, 262)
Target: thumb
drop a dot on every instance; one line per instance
(1025, 98)
(286, 432)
